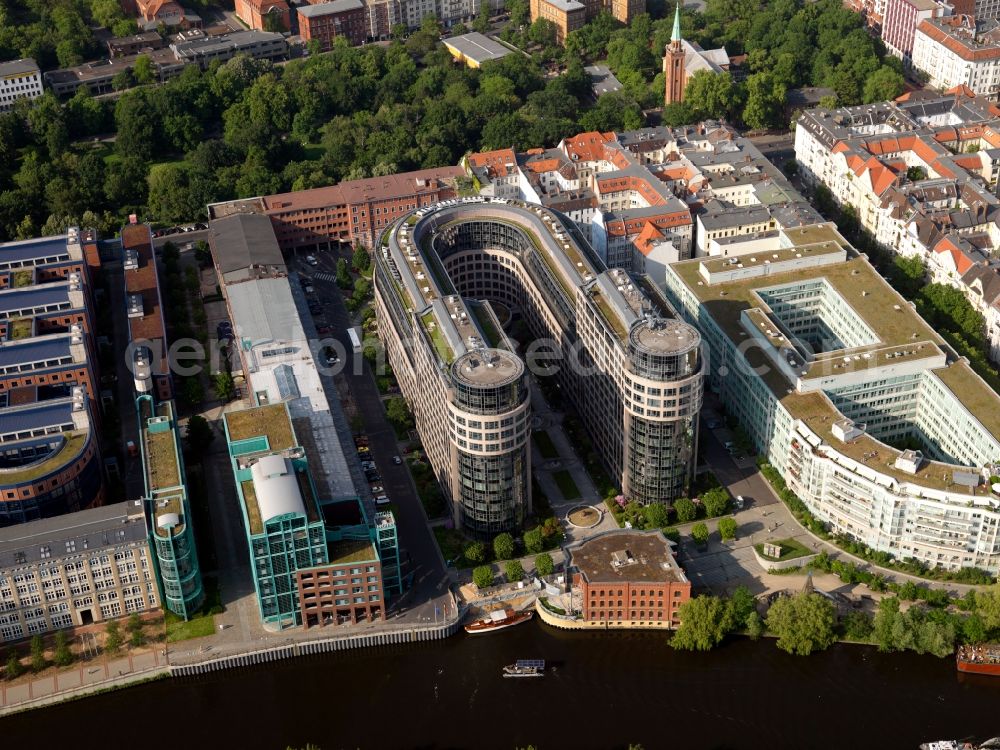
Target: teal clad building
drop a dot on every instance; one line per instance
(168, 511)
(315, 560)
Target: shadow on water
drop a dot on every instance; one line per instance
(605, 690)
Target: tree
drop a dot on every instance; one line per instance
(711, 95)
(686, 510)
(740, 605)
(223, 386)
(360, 259)
(343, 275)
(715, 502)
(765, 101)
(513, 571)
(755, 626)
(727, 528)
(475, 553)
(856, 626)
(882, 85)
(63, 656)
(398, 413)
(702, 624)
(14, 667)
(135, 630)
(543, 564)
(483, 576)
(143, 70)
(113, 637)
(656, 516)
(988, 606)
(533, 540)
(803, 623)
(38, 660)
(199, 435)
(699, 534)
(887, 626)
(503, 546)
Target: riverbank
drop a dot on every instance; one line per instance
(742, 695)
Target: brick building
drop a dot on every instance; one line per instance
(569, 15)
(264, 15)
(327, 21)
(629, 578)
(354, 211)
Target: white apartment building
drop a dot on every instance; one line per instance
(19, 79)
(959, 51)
(921, 175)
(828, 368)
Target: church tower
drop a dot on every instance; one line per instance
(673, 63)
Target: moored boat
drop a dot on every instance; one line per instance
(981, 659)
(525, 668)
(498, 620)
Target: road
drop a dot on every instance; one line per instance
(418, 550)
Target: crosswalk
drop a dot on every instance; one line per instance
(323, 276)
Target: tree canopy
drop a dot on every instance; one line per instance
(803, 623)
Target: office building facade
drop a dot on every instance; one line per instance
(19, 79)
(632, 371)
(827, 368)
(75, 569)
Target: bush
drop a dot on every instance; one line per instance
(38, 660)
(656, 516)
(699, 533)
(856, 626)
(513, 571)
(503, 546)
(686, 510)
(14, 668)
(544, 565)
(475, 553)
(113, 637)
(727, 527)
(715, 502)
(63, 656)
(483, 576)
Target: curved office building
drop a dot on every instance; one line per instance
(632, 370)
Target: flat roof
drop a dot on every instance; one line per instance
(243, 240)
(270, 421)
(36, 416)
(328, 8)
(35, 249)
(351, 551)
(18, 67)
(626, 555)
(91, 529)
(477, 47)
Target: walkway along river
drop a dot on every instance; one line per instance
(604, 690)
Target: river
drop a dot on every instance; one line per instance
(604, 690)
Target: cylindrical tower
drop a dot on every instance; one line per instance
(489, 414)
(662, 395)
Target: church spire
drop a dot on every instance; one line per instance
(675, 36)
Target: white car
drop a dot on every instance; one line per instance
(397, 460)
(311, 260)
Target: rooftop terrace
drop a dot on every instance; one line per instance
(270, 421)
(351, 551)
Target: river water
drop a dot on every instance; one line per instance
(604, 690)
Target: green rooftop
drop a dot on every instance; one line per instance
(270, 421)
(351, 551)
(253, 509)
(161, 458)
(68, 452)
(19, 328)
(433, 328)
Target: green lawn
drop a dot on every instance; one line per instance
(197, 627)
(790, 549)
(452, 544)
(545, 445)
(566, 485)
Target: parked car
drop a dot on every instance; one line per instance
(397, 460)
(323, 330)
(130, 447)
(332, 360)
(739, 502)
(311, 260)
(712, 424)
(308, 289)
(305, 281)
(381, 501)
(377, 489)
(201, 227)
